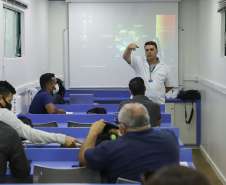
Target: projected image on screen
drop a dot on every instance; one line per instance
(124, 37)
(99, 34)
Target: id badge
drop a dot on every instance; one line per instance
(150, 79)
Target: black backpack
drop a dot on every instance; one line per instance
(61, 87)
(26, 121)
(105, 135)
(189, 95)
(58, 97)
(97, 110)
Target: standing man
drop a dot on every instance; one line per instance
(140, 148)
(156, 74)
(43, 100)
(137, 90)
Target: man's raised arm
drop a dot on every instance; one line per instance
(128, 51)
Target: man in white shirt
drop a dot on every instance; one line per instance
(156, 74)
(23, 130)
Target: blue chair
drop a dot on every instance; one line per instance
(44, 174)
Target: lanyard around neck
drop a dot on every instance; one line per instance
(151, 69)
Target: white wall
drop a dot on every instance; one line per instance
(211, 69)
(187, 20)
(35, 57)
(1, 42)
(58, 21)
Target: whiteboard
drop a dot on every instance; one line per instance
(100, 32)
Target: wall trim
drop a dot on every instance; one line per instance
(213, 165)
(212, 85)
(208, 83)
(190, 78)
(26, 87)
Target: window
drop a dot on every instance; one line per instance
(12, 27)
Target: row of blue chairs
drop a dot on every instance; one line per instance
(62, 120)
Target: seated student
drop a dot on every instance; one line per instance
(43, 101)
(23, 130)
(12, 150)
(137, 90)
(175, 175)
(139, 149)
(58, 97)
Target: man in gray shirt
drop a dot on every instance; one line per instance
(137, 90)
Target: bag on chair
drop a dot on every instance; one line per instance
(97, 110)
(26, 121)
(106, 134)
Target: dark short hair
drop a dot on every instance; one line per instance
(6, 88)
(176, 175)
(137, 87)
(151, 43)
(46, 79)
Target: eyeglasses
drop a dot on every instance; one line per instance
(116, 121)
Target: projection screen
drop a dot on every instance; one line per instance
(100, 32)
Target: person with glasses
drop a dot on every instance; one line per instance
(138, 149)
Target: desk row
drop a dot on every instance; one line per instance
(81, 133)
(83, 108)
(62, 119)
(68, 158)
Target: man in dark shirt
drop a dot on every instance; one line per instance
(12, 150)
(137, 90)
(139, 149)
(43, 101)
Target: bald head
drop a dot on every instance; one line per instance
(134, 115)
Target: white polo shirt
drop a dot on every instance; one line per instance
(160, 76)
